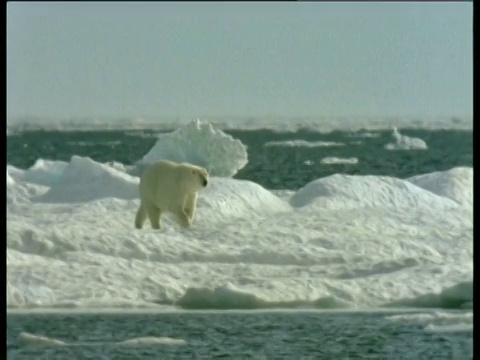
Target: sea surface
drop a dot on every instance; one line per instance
(237, 335)
(280, 161)
(273, 167)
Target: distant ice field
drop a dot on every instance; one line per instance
(278, 123)
(340, 241)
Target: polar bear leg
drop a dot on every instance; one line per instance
(183, 218)
(140, 217)
(190, 205)
(153, 213)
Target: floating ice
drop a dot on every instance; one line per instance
(324, 124)
(151, 340)
(335, 160)
(436, 316)
(445, 321)
(403, 142)
(454, 328)
(302, 143)
(203, 145)
(339, 242)
(27, 339)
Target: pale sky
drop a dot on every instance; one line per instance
(239, 59)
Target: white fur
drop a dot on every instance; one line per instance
(166, 186)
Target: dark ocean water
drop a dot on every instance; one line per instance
(248, 335)
(272, 167)
(230, 335)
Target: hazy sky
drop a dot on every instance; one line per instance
(243, 59)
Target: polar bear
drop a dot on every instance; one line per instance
(166, 186)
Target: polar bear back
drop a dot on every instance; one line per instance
(166, 183)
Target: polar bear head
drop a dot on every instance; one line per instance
(194, 177)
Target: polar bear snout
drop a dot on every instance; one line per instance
(205, 182)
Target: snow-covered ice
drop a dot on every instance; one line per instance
(335, 160)
(203, 145)
(31, 340)
(339, 242)
(403, 142)
(302, 143)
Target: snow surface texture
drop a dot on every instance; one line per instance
(403, 142)
(203, 145)
(339, 242)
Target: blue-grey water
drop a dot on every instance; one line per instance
(247, 335)
(275, 167)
